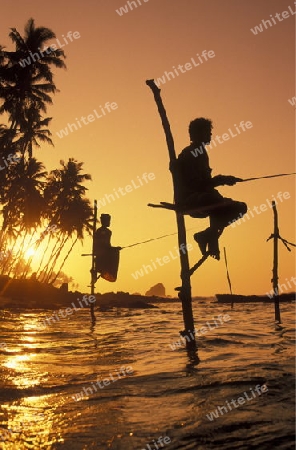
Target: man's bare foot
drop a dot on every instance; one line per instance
(214, 246)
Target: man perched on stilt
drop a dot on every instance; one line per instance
(197, 195)
(106, 256)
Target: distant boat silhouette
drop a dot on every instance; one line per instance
(235, 298)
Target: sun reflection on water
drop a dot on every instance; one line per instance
(19, 363)
(29, 424)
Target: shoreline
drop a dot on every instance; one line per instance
(32, 294)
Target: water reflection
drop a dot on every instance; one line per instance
(26, 420)
(43, 370)
(26, 426)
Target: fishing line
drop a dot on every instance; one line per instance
(267, 176)
(155, 239)
(145, 242)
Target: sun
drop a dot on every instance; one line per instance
(30, 252)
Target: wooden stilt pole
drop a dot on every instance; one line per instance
(228, 277)
(93, 264)
(185, 291)
(275, 277)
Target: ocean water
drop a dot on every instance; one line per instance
(119, 384)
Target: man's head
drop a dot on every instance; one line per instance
(105, 220)
(200, 130)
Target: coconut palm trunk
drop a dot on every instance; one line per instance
(9, 261)
(56, 259)
(43, 255)
(23, 251)
(64, 261)
(44, 272)
(19, 253)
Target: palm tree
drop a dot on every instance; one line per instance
(67, 207)
(23, 199)
(33, 129)
(64, 185)
(25, 88)
(32, 83)
(8, 141)
(27, 182)
(79, 218)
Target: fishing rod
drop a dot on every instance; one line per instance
(240, 180)
(144, 242)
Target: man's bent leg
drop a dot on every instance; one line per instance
(222, 211)
(228, 212)
(202, 238)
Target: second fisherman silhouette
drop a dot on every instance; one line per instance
(106, 256)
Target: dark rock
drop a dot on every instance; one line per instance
(158, 291)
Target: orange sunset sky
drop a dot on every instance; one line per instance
(250, 78)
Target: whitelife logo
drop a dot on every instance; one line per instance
(166, 440)
(109, 107)
(68, 311)
(121, 373)
(129, 7)
(272, 22)
(38, 55)
(134, 184)
(263, 207)
(11, 158)
(183, 68)
(161, 261)
(282, 287)
(244, 126)
(200, 331)
(241, 401)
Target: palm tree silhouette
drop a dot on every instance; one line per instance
(67, 207)
(32, 130)
(26, 90)
(77, 220)
(24, 201)
(30, 197)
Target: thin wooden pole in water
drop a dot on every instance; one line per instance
(93, 268)
(185, 292)
(228, 277)
(275, 277)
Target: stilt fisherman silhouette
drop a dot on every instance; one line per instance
(106, 256)
(196, 194)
